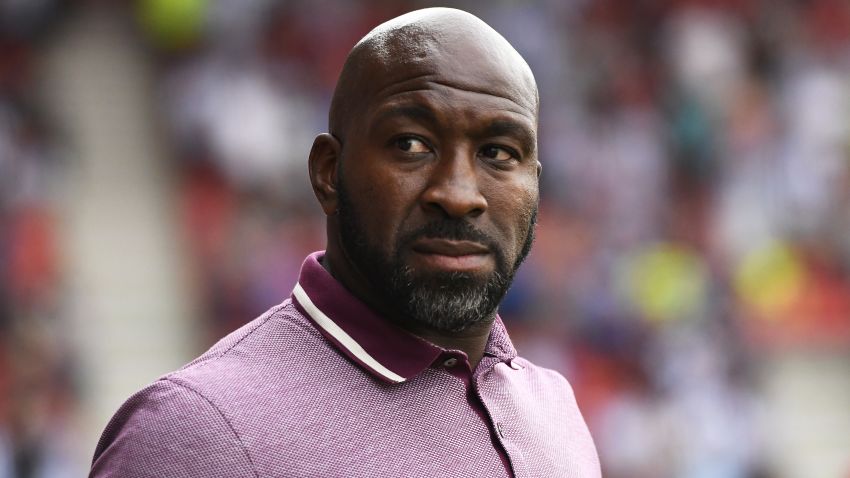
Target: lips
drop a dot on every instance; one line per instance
(448, 247)
(451, 255)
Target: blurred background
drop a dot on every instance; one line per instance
(691, 275)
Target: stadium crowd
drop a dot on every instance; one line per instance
(694, 215)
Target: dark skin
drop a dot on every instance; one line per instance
(434, 116)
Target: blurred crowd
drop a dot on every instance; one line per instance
(37, 389)
(695, 209)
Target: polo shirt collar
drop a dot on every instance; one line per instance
(373, 342)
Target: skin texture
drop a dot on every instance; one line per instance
(431, 162)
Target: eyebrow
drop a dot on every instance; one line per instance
(502, 127)
(498, 127)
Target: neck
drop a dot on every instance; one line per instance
(471, 341)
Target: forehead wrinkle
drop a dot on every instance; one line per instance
(416, 111)
(482, 91)
(440, 65)
(392, 91)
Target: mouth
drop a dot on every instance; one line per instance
(452, 255)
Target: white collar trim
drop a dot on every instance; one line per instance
(342, 337)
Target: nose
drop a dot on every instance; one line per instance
(453, 188)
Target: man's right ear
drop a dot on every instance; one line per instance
(323, 162)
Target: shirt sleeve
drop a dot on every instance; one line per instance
(170, 430)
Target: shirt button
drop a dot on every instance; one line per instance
(501, 430)
(450, 362)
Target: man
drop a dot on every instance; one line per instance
(389, 358)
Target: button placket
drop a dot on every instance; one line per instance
(479, 385)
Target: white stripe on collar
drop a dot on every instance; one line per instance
(342, 337)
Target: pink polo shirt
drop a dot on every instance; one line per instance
(320, 386)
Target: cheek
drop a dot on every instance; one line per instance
(384, 200)
(511, 207)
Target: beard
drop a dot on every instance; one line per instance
(444, 301)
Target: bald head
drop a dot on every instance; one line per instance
(429, 178)
(440, 45)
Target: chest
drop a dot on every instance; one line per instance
(433, 425)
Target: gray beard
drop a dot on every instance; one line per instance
(449, 302)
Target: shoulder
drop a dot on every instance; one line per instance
(539, 407)
(187, 422)
(541, 395)
(542, 377)
(533, 388)
(168, 429)
(282, 326)
(270, 355)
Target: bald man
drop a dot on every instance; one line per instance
(389, 358)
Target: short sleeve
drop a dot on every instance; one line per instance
(169, 430)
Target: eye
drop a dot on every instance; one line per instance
(497, 153)
(412, 145)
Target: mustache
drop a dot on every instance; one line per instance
(451, 229)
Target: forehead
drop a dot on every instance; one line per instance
(474, 61)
